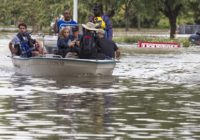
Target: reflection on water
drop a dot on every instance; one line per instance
(149, 96)
(61, 108)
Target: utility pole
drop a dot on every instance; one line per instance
(75, 10)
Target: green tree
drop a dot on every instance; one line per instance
(128, 13)
(128, 7)
(171, 9)
(194, 5)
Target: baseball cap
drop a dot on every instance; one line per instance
(75, 28)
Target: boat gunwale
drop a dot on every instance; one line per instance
(67, 59)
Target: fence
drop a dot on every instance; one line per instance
(188, 29)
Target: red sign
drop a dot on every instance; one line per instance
(142, 44)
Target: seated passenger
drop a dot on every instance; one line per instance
(66, 45)
(88, 45)
(76, 37)
(108, 47)
(75, 33)
(22, 44)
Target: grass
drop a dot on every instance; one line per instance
(142, 30)
(134, 39)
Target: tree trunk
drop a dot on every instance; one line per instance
(106, 8)
(126, 20)
(34, 28)
(138, 22)
(172, 22)
(40, 27)
(127, 25)
(15, 21)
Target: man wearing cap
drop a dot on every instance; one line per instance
(75, 33)
(76, 37)
(108, 47)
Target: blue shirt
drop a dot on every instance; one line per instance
(108, 29)
(62, 23)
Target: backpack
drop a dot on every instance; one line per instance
(88, 47)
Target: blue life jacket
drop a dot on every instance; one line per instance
(26, 46)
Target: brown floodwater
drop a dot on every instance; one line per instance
(149, 96)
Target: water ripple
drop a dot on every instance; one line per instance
(150, 96)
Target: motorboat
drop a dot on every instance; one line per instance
(55, 65)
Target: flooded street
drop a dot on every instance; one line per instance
(150, 96)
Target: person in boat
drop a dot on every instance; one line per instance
(64, 22)
(102, 20)
(108, 30)
(76, 37)
(39, 48)
(88, 46)
(66, 46)
(97, 19)
(22, 44)
(108, 47)
(75, 33)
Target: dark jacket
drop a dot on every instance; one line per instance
(88, 46)
(108, 47)
(63, 46)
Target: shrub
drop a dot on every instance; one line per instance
(184, 42)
